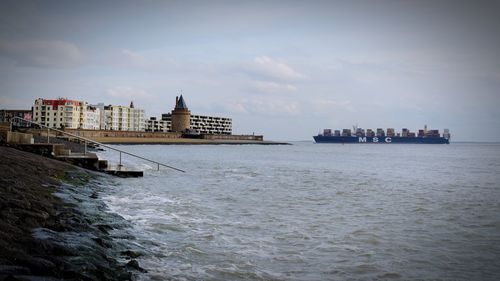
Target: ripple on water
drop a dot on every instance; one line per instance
(389, 275)
(162, 227)
(316, 212)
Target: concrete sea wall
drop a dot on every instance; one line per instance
(53, 225)
(138, 137)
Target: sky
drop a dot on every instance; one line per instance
(284, 69)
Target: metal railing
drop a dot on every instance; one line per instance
(87, 140)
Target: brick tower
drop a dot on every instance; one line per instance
(181, 116)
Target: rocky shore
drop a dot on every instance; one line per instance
(53, 226)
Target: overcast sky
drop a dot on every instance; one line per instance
(285, 69)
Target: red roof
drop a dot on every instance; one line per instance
(58, 102)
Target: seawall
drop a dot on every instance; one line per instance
(138, 137)
(52, 224)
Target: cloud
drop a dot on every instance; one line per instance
(134, 58)
(128, 94)
(45, 54)
(266, 67)
(268, 107)
(235, 107)
(327, 106)
(273, 87)
(271, 76)
(142, 61)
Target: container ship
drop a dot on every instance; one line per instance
(359, 135)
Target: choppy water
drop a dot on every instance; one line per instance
(315, 212)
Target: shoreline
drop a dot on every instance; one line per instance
(183, 141)
(52, 224)
(137, 137)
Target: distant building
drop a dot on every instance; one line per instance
(154, 125)
(136, 118)
(60, 113)
(180, 120)
(181, 116)
(102, 115)
(92, 119)
(73, 114)
(123, 118)
(116, 117)
(6, 115)
(211, 125)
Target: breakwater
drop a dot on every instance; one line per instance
(53, 224)
(139, 137)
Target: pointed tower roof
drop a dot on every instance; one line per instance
(181, 103)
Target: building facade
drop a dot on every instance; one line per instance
(72, 114)
(6, 115)
(180, 120)
(92, 119)
(60, 113)
(211, 125)
(136, 118)
(123, 118)
(154, 125)
(102, 115)
(181, 116)
(116, 118)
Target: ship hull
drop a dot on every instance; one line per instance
(387, 140)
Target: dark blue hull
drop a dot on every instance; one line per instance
(345, 139)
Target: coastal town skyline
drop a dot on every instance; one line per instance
(282, 69)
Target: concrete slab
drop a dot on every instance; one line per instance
(122, 171)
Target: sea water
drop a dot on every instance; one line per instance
(314, 211)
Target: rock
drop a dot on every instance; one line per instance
(131, 254)
(103, 243)
(40, 265)
(135, 265)
(9, 269)
(104, 228)
(47, 236)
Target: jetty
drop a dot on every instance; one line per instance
(71, 148)
(167, 138)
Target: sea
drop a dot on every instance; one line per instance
(311, 211)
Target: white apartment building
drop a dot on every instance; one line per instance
(60, 113)
(136, 119)
(74, 114)
(154, 125)
(92, 120)
(116, 118)
(102, 115)
(211, 125)
(123, 118)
